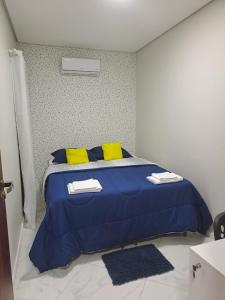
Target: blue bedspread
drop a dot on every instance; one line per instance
(129, 208)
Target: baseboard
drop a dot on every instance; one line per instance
(17, 253)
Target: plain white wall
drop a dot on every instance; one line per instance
(181, 102)
(8, 140)
(75, 111)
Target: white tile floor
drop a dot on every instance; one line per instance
(87, 278)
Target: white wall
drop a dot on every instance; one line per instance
(181, 102)
(79, 111)
(8, 141)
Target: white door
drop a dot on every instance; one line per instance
(8, 138)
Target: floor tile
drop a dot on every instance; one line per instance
(87, 279)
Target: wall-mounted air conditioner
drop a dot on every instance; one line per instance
(80, 66)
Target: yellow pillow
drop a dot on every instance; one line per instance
(112, 151)
(76, 156)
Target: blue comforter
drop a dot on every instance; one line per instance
(128, 209)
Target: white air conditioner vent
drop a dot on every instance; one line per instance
(80, 66)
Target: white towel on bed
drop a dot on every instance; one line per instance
(84, 186)
(166, 177)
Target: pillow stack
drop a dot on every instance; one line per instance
(98, 153)
(108, 151)
(60, 156)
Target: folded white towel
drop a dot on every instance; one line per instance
(158, 181)
(84, 186)
(165, 176)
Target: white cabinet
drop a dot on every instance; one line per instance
(209, 280)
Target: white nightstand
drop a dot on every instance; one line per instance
(209, 280)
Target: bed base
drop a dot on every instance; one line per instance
(135, 243)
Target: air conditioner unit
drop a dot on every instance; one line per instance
(80, 66)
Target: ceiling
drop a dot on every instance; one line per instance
(122, 25)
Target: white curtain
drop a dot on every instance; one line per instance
(22, 114)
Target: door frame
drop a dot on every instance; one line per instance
(6, 285)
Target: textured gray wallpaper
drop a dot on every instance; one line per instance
(71, 111)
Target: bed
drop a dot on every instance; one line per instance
(129, 208)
